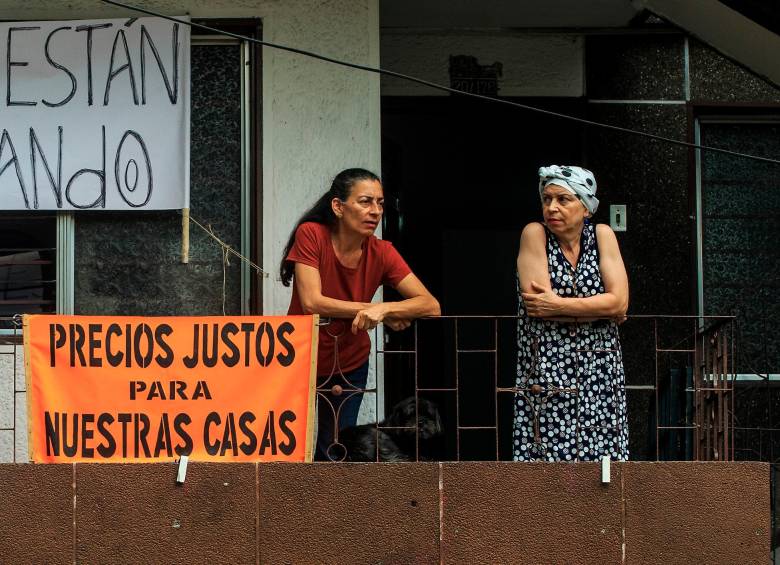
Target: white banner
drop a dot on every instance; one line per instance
(95, 115)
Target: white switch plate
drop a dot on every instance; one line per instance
(617, 217)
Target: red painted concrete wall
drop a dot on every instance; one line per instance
(462, 513)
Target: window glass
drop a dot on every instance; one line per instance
(27, 264)
(741, 230)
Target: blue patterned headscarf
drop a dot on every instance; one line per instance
(576, 180)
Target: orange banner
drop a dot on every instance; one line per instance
(138, 389)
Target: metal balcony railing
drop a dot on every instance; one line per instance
(453, 382)
(459, 375)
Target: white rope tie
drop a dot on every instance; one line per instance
(226, 249)
(225, 265)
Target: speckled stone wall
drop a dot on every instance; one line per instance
(130, 264)
(714, 78)
(638, 82)
(386, 513)
(651, 179)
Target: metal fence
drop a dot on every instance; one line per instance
(452, 383)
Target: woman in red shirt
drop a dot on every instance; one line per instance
(337, 265)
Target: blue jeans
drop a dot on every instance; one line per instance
(348, 402)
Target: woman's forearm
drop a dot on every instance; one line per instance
(605, 305)
(411, 308)
(333, 307)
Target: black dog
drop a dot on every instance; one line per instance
(395, 436)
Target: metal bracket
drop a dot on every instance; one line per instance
(182, 472)
(605, 470)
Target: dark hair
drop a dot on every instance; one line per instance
(322, 212)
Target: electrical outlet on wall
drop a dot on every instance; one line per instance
(617, 217)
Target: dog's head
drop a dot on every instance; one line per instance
(425, 415)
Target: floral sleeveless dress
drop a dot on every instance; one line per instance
(570, 401)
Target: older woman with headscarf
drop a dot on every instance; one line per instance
(570, 403)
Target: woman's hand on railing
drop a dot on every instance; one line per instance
(369, 318)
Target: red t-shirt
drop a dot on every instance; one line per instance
(379, 264)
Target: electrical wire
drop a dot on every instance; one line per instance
(443, 88)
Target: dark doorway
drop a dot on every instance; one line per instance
(460, 180)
